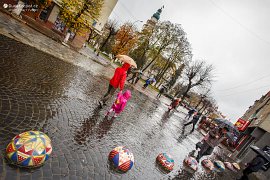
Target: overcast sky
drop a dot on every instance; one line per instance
(233, 35)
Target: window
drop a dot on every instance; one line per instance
(45, 13)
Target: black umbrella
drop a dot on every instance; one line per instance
(260, 152)
(230, 137)
(228, 124)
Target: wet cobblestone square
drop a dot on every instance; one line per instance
(41, 92)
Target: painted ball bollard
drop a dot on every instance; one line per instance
(122, 158)
(219, 165)
(208, 165)
(166, 161)
(29, 149)
(191, 163)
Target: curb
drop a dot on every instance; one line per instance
(105, 65)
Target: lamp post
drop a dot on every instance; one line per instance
(135, 22)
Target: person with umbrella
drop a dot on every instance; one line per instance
(224, 122)
(119, 78)
(211, 140)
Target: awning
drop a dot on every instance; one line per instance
(248, 131)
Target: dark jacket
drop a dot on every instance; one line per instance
(256, 164)
(190, 112)
(162, 90)
(196, 118)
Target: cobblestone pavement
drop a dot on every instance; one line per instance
(41, 92)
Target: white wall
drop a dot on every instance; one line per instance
(105, 13)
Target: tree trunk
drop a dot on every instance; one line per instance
(198, 103)
(163, 71)
(79, 14)
(186, 92)
(105, 42)
(205, 107)
(90, 35)
(151, 62)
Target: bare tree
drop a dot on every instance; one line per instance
(197, 73)
(203, 96)
(208, 104)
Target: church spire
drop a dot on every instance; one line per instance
(157, 14)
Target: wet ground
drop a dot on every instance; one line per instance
(41, 92)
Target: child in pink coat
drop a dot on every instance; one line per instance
(120, 103)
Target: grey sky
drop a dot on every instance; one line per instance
(231, 34)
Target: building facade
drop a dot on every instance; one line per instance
(49, 18)
(257, 132)
(105, 13)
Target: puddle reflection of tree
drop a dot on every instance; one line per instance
(87, 128)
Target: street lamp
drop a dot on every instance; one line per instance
(136, 22)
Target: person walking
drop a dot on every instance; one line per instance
(129, 71)
(190, 113)
(138, 76)
(194, 121)
(174, 104)
(133, 78)
(117, 81)
(253, 166)
(120, 103)
(148, 81)
(211, 140)
(161, 91)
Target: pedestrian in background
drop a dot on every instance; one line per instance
(117, 81)
(132, 79)
(194, 121)
(148, 82)
(190, 113)
(174, 104)
(161, 91)
(211, 140)
(139, 76)
(202, 121)
(129, 71)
